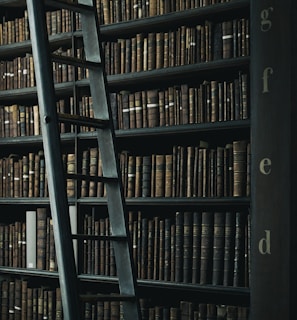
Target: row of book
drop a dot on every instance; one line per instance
(185, 45)
(209, 101)
(17, 30)
(20, 120)
(29, 243)
(125, 10)
(187, 171)
(22, 300)
(61, 21)
(189, 247)
(198, 247)
(19, 72)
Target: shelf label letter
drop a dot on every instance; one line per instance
(265, 166)
(267, 71)
(264, 243)
(266, 24)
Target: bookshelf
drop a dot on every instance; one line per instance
(189, 224)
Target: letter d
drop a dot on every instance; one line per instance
(264, 243)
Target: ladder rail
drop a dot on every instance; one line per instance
(53, 158)
(106, 138)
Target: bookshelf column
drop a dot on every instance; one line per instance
(274, 159)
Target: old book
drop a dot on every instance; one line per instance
(229, 249)
(138, 176)
(146, 175)
(228, 170)
(150, 249)
(227, 39)
(167, 251)
(218, 248)
(41, 226)
(152, 108)
(168, 175)
(85, 170)
(206, 247)
(156, 255)
(196, 247)
(132, 115)
(131, 175)
(239, 168)
(70, 183)
(179, 220)
(161, 264)
(239, 254)
(187, 246)
(138, 110)
(160, 176)
(144, 248)
(93, 171)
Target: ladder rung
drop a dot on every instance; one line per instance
(90, 178)
(83, 121)
(75, 61)
(70, 5)
(98, 237)
(107, 297)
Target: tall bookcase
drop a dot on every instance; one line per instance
(204, 171)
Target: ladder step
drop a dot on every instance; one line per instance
(98, 237)
(107, 297)
(70, 5)
(75, 61)
(83, 121)
(90, 178)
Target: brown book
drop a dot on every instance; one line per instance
(41, 237)
(227, 39)
(160, 176)
(153, 108)
(31, 174)
(85, 171)
(36, 175)
(132, 114)
(159, 50)
(168, 175)
(161, 102)
(151, 47)
(24, 299)
(138, 176)
(93, 171)
(131, 175)
(138, 110)
(239, 168)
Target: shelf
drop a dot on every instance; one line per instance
(178, 18)
(174, 290)
(9, 51)
(177, 202)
